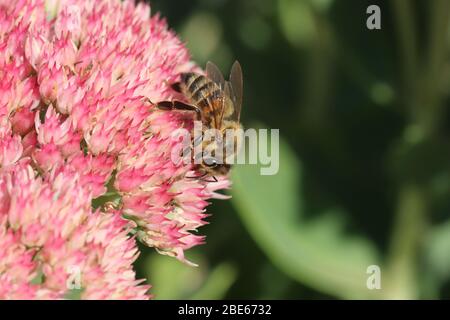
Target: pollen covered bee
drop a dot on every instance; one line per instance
(217, 104)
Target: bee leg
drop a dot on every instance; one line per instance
(203, 178)
(188, 107)
(178, 105)
(197, 177)
(214, 179)
(165, 105)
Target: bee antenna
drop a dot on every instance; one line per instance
(214, 179)
(198, 177)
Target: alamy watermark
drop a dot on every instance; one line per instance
(373, 22)
(73, 281)
(213, 147)
(374, 280)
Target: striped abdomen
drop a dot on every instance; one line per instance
(205, 94)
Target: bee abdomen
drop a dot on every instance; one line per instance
(208, 91)
(199, 88)
(192, 81)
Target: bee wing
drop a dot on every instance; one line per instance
(227, 93)
(217, 105)
(218, 100)
(214, 74)
(236, 87)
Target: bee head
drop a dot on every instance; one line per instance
(214, 167)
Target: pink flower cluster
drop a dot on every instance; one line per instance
(49, 237)
(77, 126)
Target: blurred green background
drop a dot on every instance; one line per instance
(364, 153)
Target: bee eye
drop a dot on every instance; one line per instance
(211, 162)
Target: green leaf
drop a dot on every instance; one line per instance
(173, 280)
(437, 251)
(216, 286)
(315, 252)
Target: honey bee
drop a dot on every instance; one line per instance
(217, 104)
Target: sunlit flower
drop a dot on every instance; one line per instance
(76, 122)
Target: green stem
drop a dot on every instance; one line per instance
(401, 280)
(318, 75)
(405, 23)
(423, 99)
(427, 111)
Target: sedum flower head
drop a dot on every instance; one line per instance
(77, 128)
(51, 241)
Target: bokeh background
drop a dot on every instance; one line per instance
(364, 152)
